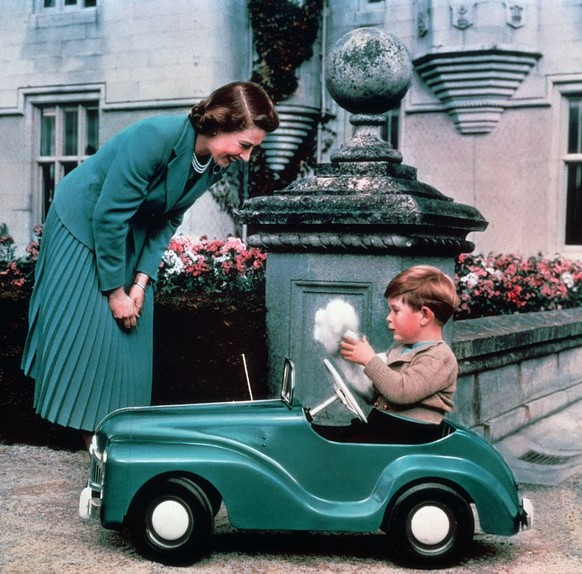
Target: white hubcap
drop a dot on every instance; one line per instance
(430, 525)
(170, 520)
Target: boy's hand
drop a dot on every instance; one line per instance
(356, 351)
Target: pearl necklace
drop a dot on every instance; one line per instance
(199, 167)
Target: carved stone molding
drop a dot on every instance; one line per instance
(515, 14)
(289, 242)
(462, 14)
(475, 83)
(296, 123)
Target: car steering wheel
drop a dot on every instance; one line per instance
(343, 392)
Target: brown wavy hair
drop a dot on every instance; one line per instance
(425, 286)
(234, 107)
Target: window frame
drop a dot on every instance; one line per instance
(392, 127)
(372, 5)
(62, 6)
(83, 99)
(563, 89)
(61, 15)
(572, 159)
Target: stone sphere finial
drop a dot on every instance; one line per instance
(368, 71)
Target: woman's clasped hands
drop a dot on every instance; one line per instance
(126, 307)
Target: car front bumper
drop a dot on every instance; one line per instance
(526, 514)
(89, 504)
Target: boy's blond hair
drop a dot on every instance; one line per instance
(425, 286)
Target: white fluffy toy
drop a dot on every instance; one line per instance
(332, 322)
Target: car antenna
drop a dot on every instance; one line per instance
(247, 376)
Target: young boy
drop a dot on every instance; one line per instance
(416, 377)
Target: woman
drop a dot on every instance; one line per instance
(89, 346)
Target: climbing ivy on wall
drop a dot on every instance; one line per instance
(283, 33)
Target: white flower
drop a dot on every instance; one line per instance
(498, 274)
(471, 279)
(173, 264)
(568, 279)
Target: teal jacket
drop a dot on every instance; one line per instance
(126, 201)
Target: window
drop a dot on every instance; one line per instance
(389, 131)
(573, 231)
(68, 134)
(372, 4)
(67, 4)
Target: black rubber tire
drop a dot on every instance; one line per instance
(446, 542)
(172, 522)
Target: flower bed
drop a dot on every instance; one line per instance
(503, 284)
(210, 266)
(17, 274)
(494, 284)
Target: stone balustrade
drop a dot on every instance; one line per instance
(516, 369)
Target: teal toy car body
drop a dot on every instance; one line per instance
(164, 472)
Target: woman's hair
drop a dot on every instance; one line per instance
(425, 286)
(235, 107)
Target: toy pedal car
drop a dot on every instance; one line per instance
(164, 472)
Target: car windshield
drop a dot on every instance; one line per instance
(288, 383)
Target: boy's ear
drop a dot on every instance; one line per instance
(427, 315)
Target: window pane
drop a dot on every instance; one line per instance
(70, 2)
(47, 133)
(70, 131)
(574, 206)
(92, 142)
(90, 3)
(68, 167)
(47, 171)
(574, 126)
(49, 3)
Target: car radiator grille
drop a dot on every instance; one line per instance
(96, 473)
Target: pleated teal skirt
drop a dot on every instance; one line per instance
(84, 365)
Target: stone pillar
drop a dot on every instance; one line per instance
(348, 229)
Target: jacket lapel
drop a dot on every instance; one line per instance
(179, 166)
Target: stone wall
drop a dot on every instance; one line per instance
(516, 369)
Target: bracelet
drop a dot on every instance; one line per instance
(140, 285)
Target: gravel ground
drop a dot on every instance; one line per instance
(41, 533)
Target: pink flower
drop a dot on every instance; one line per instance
(214, 266)
(507, 283)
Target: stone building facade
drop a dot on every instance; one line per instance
(75, 72)
(493, 118)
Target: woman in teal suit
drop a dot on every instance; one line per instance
(89, 346)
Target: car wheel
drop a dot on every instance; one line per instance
(430, 525)
(172, 522)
